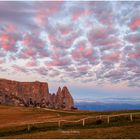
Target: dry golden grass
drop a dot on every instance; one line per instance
(14, 120)
(14, 116)
(119, 132)
(19, 115)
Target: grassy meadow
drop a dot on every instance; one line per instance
(22, 122)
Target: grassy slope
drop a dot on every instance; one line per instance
(11, 118)
(127, 132)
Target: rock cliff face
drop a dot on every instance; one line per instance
(63, 98)
(34, 94)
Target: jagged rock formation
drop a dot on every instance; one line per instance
(34, 94)
(63, 98)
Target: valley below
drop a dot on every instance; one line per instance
(101, 106)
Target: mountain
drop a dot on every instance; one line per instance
(102, 106)
(35, 94)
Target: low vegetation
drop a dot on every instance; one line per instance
(22, 122)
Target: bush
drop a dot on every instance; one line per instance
(99, 121)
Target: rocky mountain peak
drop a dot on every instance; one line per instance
(58, 91)
(64, 99)
(34, 94)
(65, 91)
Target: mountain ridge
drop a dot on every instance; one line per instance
(35, 94)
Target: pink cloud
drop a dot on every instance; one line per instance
(53, 7)
(63, 42)
(83, 68)
(97, 34)
(109, 41)
(19, 68)
(59, 62)
(104, 38)
(11, 28)
(132, 66)
(135, 24)
(134, 38)
(33, 46)
(1, 61)
(58, 57)
(31, 63)
(80, 13)
(45, 10)
(42, 71)
(26, 53)
(26, 40)
(106, 17)
(33, 40)
(41, 18)
(57, 53)
(108, 21)
(65, 30)
(52, 39)
(8, 42)
(82, 51)
(30, 52)
(76, 15)
(134, 55)
(111, 57)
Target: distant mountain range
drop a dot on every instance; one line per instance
(104, 106)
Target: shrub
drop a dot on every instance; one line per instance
(99, 121)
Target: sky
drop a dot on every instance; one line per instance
(92, 47)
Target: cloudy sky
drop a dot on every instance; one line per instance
(92, 47)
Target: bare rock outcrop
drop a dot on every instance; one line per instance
(64, 98)
(34, 94)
